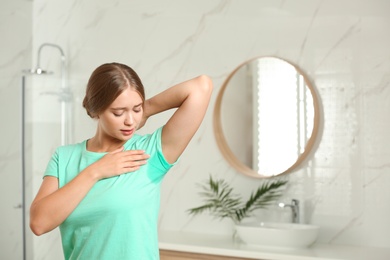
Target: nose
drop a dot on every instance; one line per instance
(129, 120)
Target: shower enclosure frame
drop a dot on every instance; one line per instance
(65, 98)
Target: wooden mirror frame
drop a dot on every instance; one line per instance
(226, 150)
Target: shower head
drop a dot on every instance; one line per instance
(37, 71)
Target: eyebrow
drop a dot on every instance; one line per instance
(124, 108)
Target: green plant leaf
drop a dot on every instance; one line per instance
(221, 202)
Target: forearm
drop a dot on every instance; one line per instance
(49, 212)
(174, 96)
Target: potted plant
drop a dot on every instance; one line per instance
(221, 202)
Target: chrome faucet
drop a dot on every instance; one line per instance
(294, 209)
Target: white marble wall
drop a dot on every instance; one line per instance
(15, 55)
(342, 45)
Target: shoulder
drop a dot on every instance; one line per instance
(71, 148)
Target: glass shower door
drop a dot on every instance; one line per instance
(11, 217)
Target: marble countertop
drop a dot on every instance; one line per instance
(225, 246)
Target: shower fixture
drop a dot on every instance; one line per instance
(38, 70)
(64, 94)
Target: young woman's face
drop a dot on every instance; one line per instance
(122, 118)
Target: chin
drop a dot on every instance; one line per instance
(126, 138)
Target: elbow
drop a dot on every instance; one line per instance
(36, 229)
(205, 83)
(36, 225)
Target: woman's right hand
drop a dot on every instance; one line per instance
(119, 162)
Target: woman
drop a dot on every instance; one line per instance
(104, 192)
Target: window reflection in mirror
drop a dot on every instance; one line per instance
(267, 116)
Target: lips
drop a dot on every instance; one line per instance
(127, 132)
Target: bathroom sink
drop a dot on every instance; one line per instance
(274, 234)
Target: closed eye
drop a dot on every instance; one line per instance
(138, 108)
(118, 111)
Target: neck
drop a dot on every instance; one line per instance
(103, 143)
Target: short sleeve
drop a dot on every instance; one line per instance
(52, 167)
(157, 165)
(163, 161)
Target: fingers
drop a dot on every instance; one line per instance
(135, 155)
(121, 161)
(132, 167)
(128, 152)
(134, 152)
(130, 155)
(133, 159)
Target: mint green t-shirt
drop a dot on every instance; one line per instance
(117, 220)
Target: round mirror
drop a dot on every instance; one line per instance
(266, 117)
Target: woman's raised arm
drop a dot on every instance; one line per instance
(191, 98)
